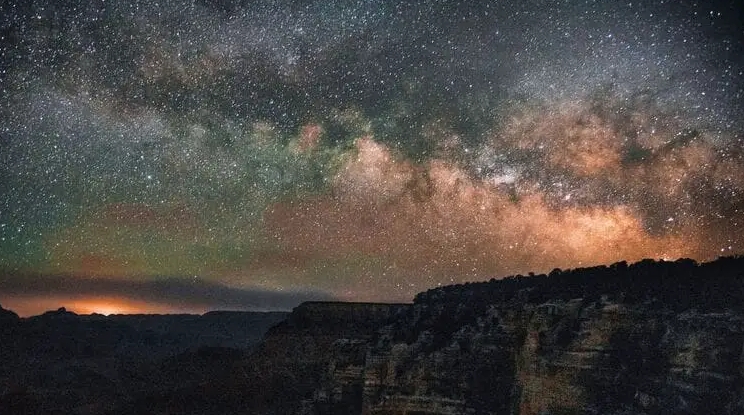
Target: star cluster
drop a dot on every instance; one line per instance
(362, 150)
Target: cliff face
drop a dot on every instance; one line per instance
(553, 358)
(647, 338)
(457, 351)
(292, 365)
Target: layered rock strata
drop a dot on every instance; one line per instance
(462, 350)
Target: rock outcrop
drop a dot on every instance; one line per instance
(647, 338)
(567, 343)
(291, 366)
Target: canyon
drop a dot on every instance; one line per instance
(654, 337)
(649, 338)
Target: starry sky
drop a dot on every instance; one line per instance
(187, 155)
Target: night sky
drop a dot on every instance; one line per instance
(191, 155)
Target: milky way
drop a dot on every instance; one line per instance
(368, 150)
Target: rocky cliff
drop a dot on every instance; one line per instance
(292, 365)
(649, 338)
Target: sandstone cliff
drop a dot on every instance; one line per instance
(292, 364)
(650, 338)
(647, 338)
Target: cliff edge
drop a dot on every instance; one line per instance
(647, 338)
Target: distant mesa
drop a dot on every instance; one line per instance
(59, 313)
(7, 316)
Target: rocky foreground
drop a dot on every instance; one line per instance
(647, 338)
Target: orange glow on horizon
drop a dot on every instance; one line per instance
(26, 307)
(109, 305)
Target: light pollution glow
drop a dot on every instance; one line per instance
(91, 305)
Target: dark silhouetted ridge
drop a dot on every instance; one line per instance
(682, 284)
(7, 316)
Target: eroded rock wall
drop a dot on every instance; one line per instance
(573, 357)
(647, 338)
